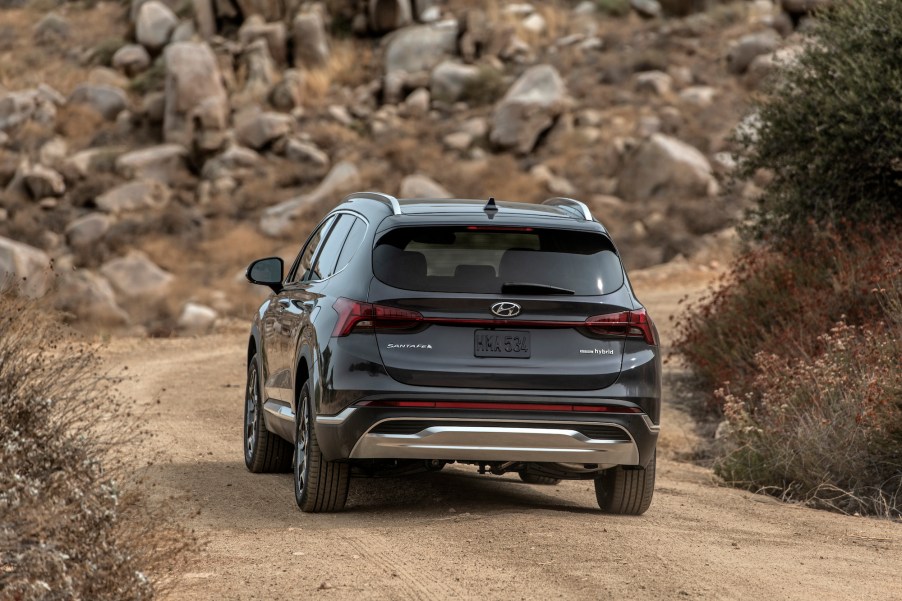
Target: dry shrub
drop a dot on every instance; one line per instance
(71, 526)
(781, 301)
(826, 432)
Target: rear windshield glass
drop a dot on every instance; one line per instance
(491, 261)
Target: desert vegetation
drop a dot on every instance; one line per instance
(73, 525)
(799, 349)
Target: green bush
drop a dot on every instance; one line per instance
(613, 8)
(830, 127)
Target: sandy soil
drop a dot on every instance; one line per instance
(457, 534)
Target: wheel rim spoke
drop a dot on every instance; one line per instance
(250, 420)
(300, 449)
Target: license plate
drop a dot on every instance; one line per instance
(501, 343)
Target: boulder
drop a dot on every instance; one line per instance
(388, 15)
(141, 195)
(42, 182)
(700, 96)
(230, 163)
(196, 317)
(184, 32)
(108, 101)
(53, 152)
(159, 162)
(197, 107)
(131, 59)
(261, 73)
(648, 9)
(528, 109)
(24, 268)
(104, 76)
(665, 165)
(89, 296)
(288, 93)
(255, 129)
(154, 25)
(255, 28)
(422, 186)
(421, 47)
(417, 103)
(16, 108)
(135, 275)
(743, 51)
(654, 82)
(205, 17)
(311, 43)
(449, 80)
(280, 219)
(88, 229)
(305, 153)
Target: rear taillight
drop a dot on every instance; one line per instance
(631, 324)
(356, 315)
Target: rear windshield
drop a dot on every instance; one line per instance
(491, 261)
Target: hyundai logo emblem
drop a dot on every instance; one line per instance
(506, 309)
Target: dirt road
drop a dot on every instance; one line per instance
(458, 535)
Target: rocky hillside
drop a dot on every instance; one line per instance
(149, 150)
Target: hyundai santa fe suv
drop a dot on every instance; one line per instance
(409, 334)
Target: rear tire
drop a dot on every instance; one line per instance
(626, 491)
(264, 452)
(319, 485)
(534, 479)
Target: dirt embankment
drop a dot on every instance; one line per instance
(456, 534)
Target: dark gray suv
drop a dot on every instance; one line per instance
(409, 334)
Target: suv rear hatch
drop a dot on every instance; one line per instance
(498, 307)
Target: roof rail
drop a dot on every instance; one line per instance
(569, 203)
(380, 196)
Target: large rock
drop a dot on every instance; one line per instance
(106, 100)
(88, 229)
(154, 25)
(197, 107)
(135, 275)
(205, 16)
(743, 51)
(388, 15)
(131, 59)
(273, 34)
(89, 296)
(43, 181)
(420, 48)
(528, 109)
(311, 44)
(422, 186)
(16, 108)
(261, 74)
(288, 93)
(255, 130)
(196, 317)
(159, 162)
(141, 195)
(23, 268)
(662, 165)
(449, 80)
(280, 219)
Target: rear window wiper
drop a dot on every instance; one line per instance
(531, 288)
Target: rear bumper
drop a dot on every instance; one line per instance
(476, 435)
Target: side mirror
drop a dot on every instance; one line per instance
(266, 272)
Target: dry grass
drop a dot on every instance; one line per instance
(350, 64)
(24, 64)
(71, 526)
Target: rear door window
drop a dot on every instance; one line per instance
(304, 262)
(498, 260)
(352, 243)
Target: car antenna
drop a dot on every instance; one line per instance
(490, 206)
